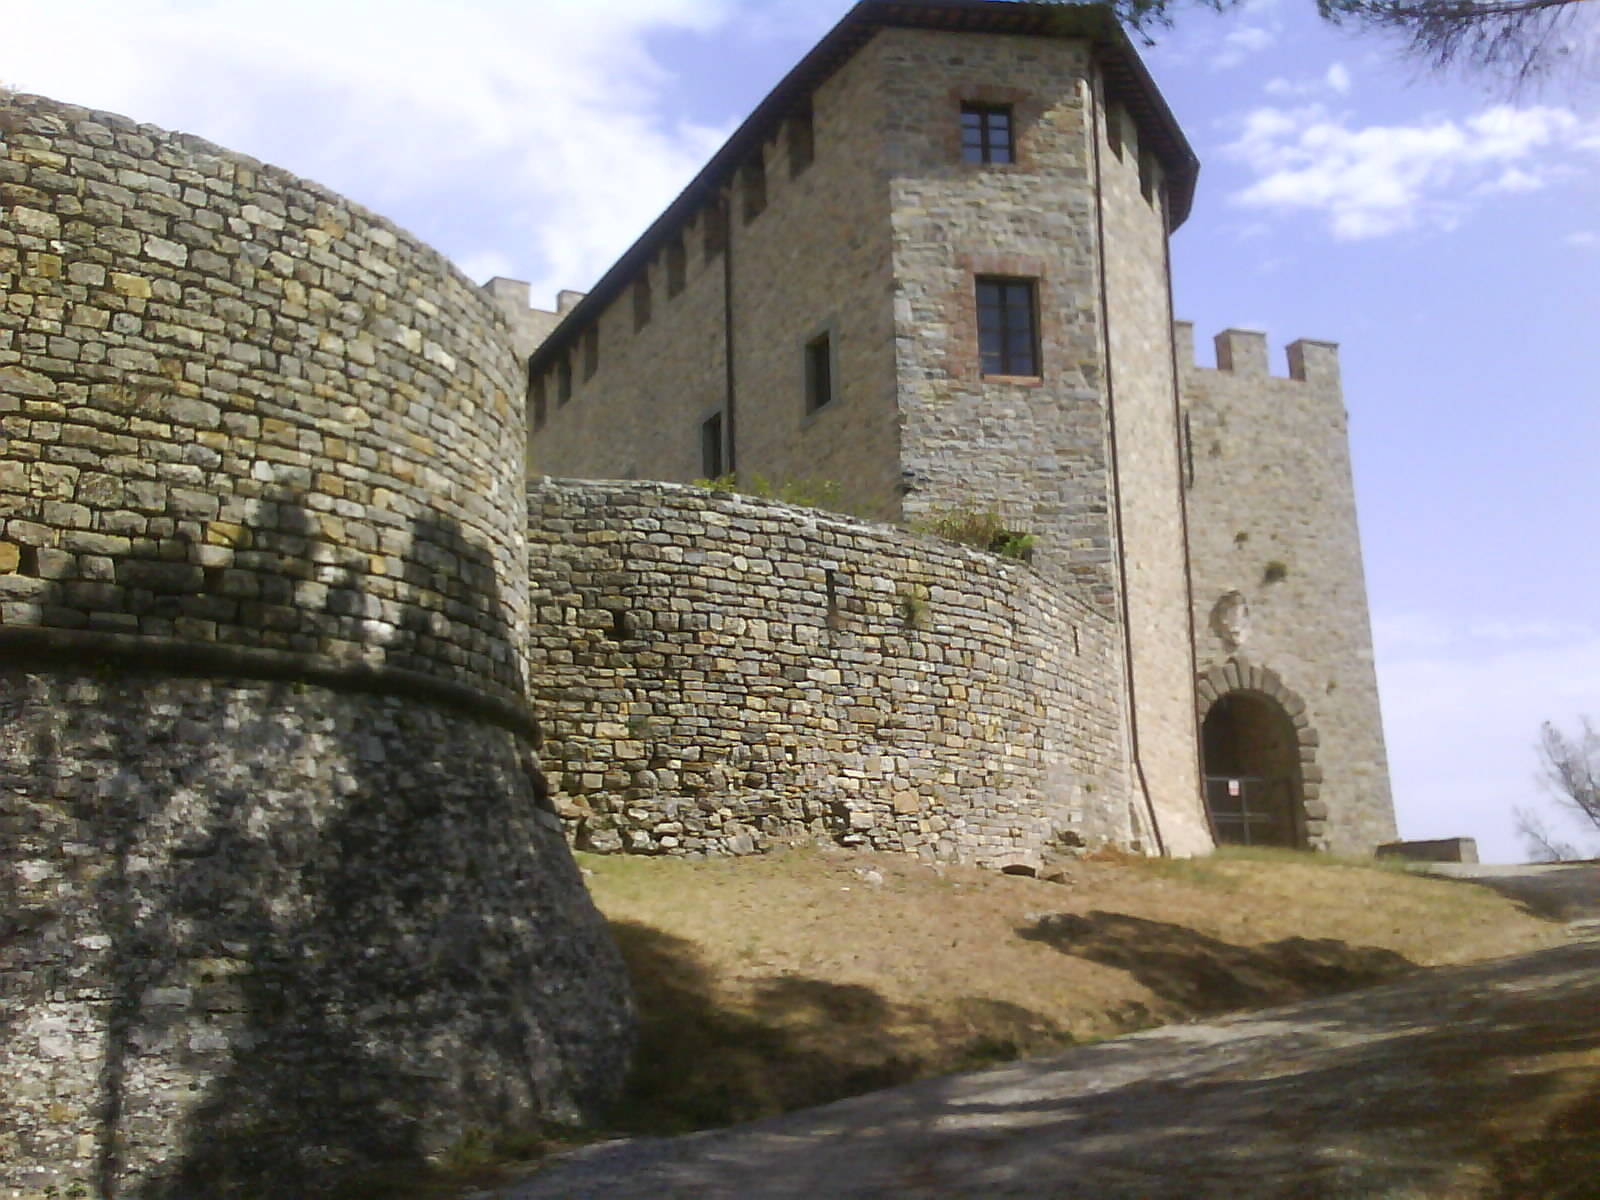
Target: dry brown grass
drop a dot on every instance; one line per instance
(773, 983)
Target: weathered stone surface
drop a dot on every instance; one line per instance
(756, 677)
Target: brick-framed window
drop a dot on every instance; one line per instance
(677, 265)
(819, 372)
(1008, 326)
(987, 133)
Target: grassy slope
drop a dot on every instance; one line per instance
(772, 983)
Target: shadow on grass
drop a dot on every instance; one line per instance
(709, 1057)
(1202, 975)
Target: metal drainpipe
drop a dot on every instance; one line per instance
(730, 391)
(1116, 479)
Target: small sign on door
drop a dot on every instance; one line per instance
(1234, 787)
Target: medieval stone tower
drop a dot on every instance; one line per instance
(932, 267)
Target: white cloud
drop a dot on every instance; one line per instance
(1584, 239)
(1462, 703)
(547, 113)
(1240, 44)
(1338, 78)
(1373, 180)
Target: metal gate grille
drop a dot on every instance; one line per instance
(1250, 811)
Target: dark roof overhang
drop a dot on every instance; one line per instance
(1126, 81)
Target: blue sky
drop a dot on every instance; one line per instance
(1444, 231)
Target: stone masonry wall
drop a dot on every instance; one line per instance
(238, 409)
(281, 889)
(813, 258)
(717, 674)
(1280, 603)
(1149, 489)
(261, 933)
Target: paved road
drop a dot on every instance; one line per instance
(1477, 1081)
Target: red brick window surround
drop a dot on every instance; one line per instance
(1008, 326)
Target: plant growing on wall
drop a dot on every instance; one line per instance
(805, 493)
(981, 529)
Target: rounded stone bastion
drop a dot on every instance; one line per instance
(717, 674)
(282, 891)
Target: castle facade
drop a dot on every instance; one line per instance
(932, 268)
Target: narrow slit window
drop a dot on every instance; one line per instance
(819, 372)
(1008, 342)
(711, 447)
(677, 265)
(986, 133)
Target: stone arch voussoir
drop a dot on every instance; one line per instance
(1238, 676)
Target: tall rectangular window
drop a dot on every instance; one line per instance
(753, 181)
(537, 411)
(986, 133)
(819, 372)
(1008, 340)
(677, 265)
(711, 447)
(802, 141)
(591, 352)
(641, 302)
(715, 217)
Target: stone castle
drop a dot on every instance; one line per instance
(307, 663)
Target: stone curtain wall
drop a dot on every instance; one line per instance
(722, 675)
(1280, 598)
(239, 409)
(281, 891)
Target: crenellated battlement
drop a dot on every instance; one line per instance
(1244, 352)
(529, 325)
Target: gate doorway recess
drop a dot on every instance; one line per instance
(1252, 770)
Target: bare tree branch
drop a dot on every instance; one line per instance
(1570, 768)
(1542, 845)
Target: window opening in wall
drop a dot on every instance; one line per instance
(986, 133)
(716, 232)
(1114, 129)
(563, 380)
(819, 372)
(753, 184)
(641, 302)
(591, 352)
(1188, 452)
(802, 141)
(536, 400)
(677, 265)
(1007, 330)
(1147, 176)
(711, 447)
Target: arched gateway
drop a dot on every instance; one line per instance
(1258, 751)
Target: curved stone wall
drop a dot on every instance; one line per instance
(281, 893)
(718, 674)
(240, 410)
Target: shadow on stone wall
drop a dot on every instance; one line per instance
(1203, 975)
(711, 1055)
(345, 917)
